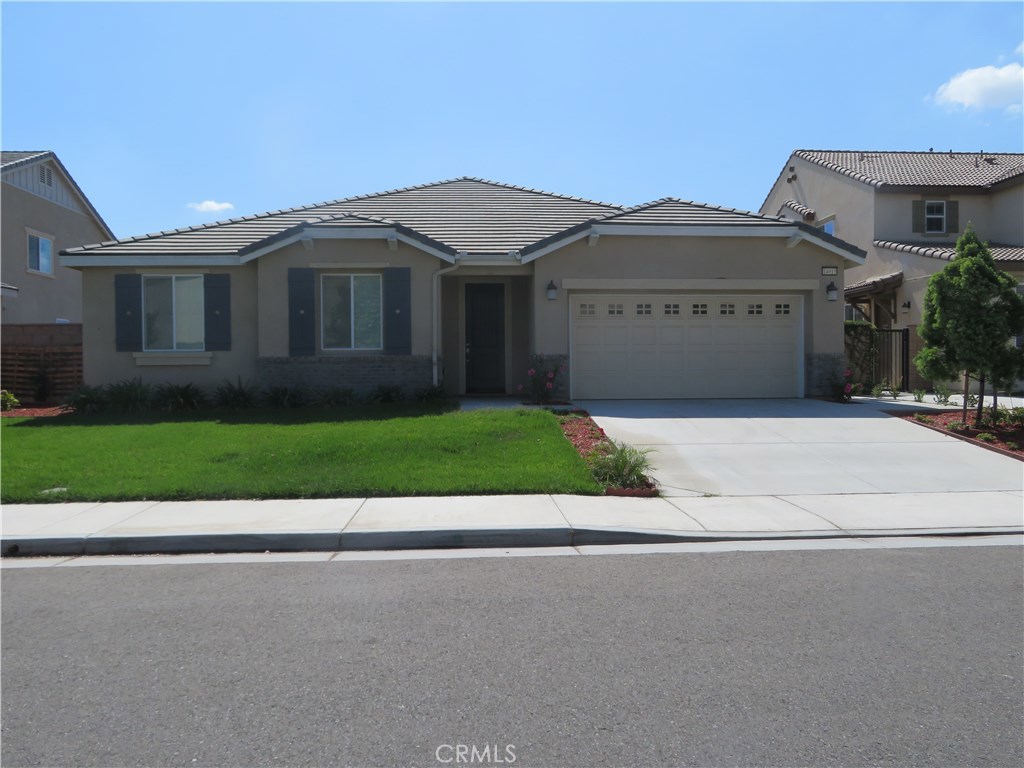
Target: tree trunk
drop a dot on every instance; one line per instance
(967, 384)
(980, 412)
(995, 401)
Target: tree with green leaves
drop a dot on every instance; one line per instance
(971, 310)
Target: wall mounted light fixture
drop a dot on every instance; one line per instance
(905, 306)
(552, 290)
(831, 292)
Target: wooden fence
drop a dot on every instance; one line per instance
(41, 363)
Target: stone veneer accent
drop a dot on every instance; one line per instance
(822, 371)
(362, 373)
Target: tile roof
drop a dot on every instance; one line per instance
(873, 285)
(803, 210)
(947, 252)
(14, 158)
(670, 211)
(933, 169)
(464, 214)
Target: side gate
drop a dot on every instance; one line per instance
(894, 357)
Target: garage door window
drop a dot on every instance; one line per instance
(699, 309)
(588, 309)
(727, 309)
(755, 310)
(643, 309)
(614, 309)
(671, 309)
(782, 309)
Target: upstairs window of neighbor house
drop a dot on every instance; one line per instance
(40, 253)
(351, 312)
(828, 227)
(935, 216)
(173, 308)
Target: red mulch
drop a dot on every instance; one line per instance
(42, 410)
(582, 432)
(1004, 433)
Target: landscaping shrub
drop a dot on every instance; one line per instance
(922, 418)
(386, 393)
(620, 466)
(128, 395)
(87, 399)
(178, 397)
(243, 394)
(542, 380)
(987, 437)
(285, 397)
(942, 393)
(877, 390)
(8, 402)
(432, 394)
(334, 397)
(1015, 417)
(918, 395)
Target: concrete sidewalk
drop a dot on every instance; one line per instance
(329, 525)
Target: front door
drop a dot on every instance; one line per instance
(485, 337)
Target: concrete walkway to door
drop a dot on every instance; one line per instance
(811, 457)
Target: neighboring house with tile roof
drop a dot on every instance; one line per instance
(906, 210)
(42, 211)
(460, 283)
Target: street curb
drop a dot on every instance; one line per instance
(362, 541)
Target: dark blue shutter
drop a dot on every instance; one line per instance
(397, 311)
(301, 312)
(217, 303)
(128, 313)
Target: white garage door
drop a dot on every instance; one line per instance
(677, 346)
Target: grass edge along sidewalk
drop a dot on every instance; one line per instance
(385, 450)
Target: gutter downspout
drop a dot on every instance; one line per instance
(435, 315)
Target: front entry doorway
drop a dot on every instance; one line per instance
(485, 338)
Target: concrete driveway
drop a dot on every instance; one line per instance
(799, 447)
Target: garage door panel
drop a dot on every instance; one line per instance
(671, 346)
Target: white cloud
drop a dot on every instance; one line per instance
(210, 206)
(1020, 50)
(985, 88)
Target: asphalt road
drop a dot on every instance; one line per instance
(851, 658)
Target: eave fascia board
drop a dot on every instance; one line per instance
(663, 230)
(362, 233)
(163, 260)
(532, 255)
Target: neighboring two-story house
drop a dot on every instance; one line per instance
(43, 212)
(906, 210)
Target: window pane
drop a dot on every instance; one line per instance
(157, 303)
(189, 322)
(935, 209)
(33, 252)
(366, 290)
(45, 255)
(337, 312)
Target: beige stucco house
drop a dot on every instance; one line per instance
(459, 283)
(43, 212)
(906, 210)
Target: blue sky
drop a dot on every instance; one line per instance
(153, 107)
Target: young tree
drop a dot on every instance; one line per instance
(971, 309)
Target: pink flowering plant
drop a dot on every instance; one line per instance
(541, 380)
(844, 389)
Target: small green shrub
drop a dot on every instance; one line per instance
(877, 390)
(918, 395)
(1015, 417)
(285, 397)
(922, 418)
(129, 395)
(987, 437)
(334, 397)
(243, 394)
(178, 397)
(433, 394)
(972, 399)
(957, 426)
(386, 393)
(942, 394)
(541, 380)
(618, 465)
(87, 399)
(1012, 445)
(8, 402)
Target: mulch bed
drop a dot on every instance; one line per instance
(1008, 439)
(580, 430)
(36, 411)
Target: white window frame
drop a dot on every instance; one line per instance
(824, 225)
(174, 314)
(29, 234)
(941, 217)
(352, 310)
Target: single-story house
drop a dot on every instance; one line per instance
(460, 283)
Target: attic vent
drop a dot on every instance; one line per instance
(45, 176)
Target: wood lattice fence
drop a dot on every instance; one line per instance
(41, 363)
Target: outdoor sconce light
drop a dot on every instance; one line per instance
(831, 292)
(905, 306)
(552, 290)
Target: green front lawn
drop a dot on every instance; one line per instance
(387, 450)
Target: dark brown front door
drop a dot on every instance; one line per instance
(485, 337)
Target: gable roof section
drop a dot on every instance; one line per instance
(9, 160)
(980, 170)
(464, 214)
(948, 252)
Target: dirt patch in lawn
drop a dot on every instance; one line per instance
(1006, 438)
